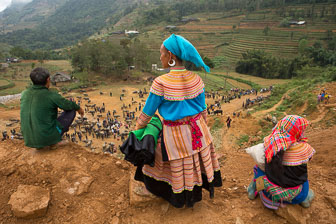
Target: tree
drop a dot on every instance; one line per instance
(266, 30)
(303, 44)
(329, 35)
(284, 23)
(332, 44)
(209, 62)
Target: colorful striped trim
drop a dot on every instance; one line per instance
(184, 174)
(178, 85)
(299, 153)
(268, 203)
(142, 121)
(280, 194)
(178, 139)
(166, 180)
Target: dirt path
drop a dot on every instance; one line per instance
(322, 113)
(263, 112)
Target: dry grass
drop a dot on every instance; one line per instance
(63, 64)
(3, 82)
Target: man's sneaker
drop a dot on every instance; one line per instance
(251, 190)
(306, 203)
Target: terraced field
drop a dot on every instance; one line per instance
(224, 38)
(217, 83)
(258, 80)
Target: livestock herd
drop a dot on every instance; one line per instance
(104, 129)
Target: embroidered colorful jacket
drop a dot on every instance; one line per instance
(179, 96)
(176, 95)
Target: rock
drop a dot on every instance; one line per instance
(115, 220)
(239, 221)
(331, 200)
(30, 201)
(76, 184)
(165, 207)
(294, 214)
(124, 166)
(7, 171)
(119, 164)
(138, 194)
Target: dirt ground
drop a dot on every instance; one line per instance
(107, 199)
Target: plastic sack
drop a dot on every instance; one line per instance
(258, 154)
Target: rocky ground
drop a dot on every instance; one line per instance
(80, 186)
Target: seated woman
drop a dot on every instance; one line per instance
(285, 179)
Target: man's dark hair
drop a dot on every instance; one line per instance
(39, 76)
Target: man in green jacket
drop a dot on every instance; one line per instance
(40, 125)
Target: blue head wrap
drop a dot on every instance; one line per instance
(184, 50)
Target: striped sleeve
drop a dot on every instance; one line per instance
(142, 121)
(157, 87)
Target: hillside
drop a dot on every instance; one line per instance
(223, 31)
(225, 36)
(71, 21)
(27, 16)
(91, 187)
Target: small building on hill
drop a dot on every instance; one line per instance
(12, 60)
(60, 78)
(131, 33)
(297, 23)
(191, 19)
(171, 28)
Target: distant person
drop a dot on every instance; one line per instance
(228, 122)
(40, 125)
(319, 98)
(326, 98)
(322, 95)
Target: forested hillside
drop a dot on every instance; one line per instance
(75, 20)
(27, 15)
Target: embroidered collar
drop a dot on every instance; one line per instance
(178, 69)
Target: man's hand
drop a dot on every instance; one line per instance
(80, 111)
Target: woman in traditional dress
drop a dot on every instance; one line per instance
(285, 178)
(185, 158)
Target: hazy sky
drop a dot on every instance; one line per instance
(5, 3)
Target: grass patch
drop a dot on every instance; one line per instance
(266, 128)
(6, 84)
(243, 139)
(218, 124)
(250, 83)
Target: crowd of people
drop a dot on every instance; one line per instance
(323, 97)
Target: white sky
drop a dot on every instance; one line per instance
(5, 3)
